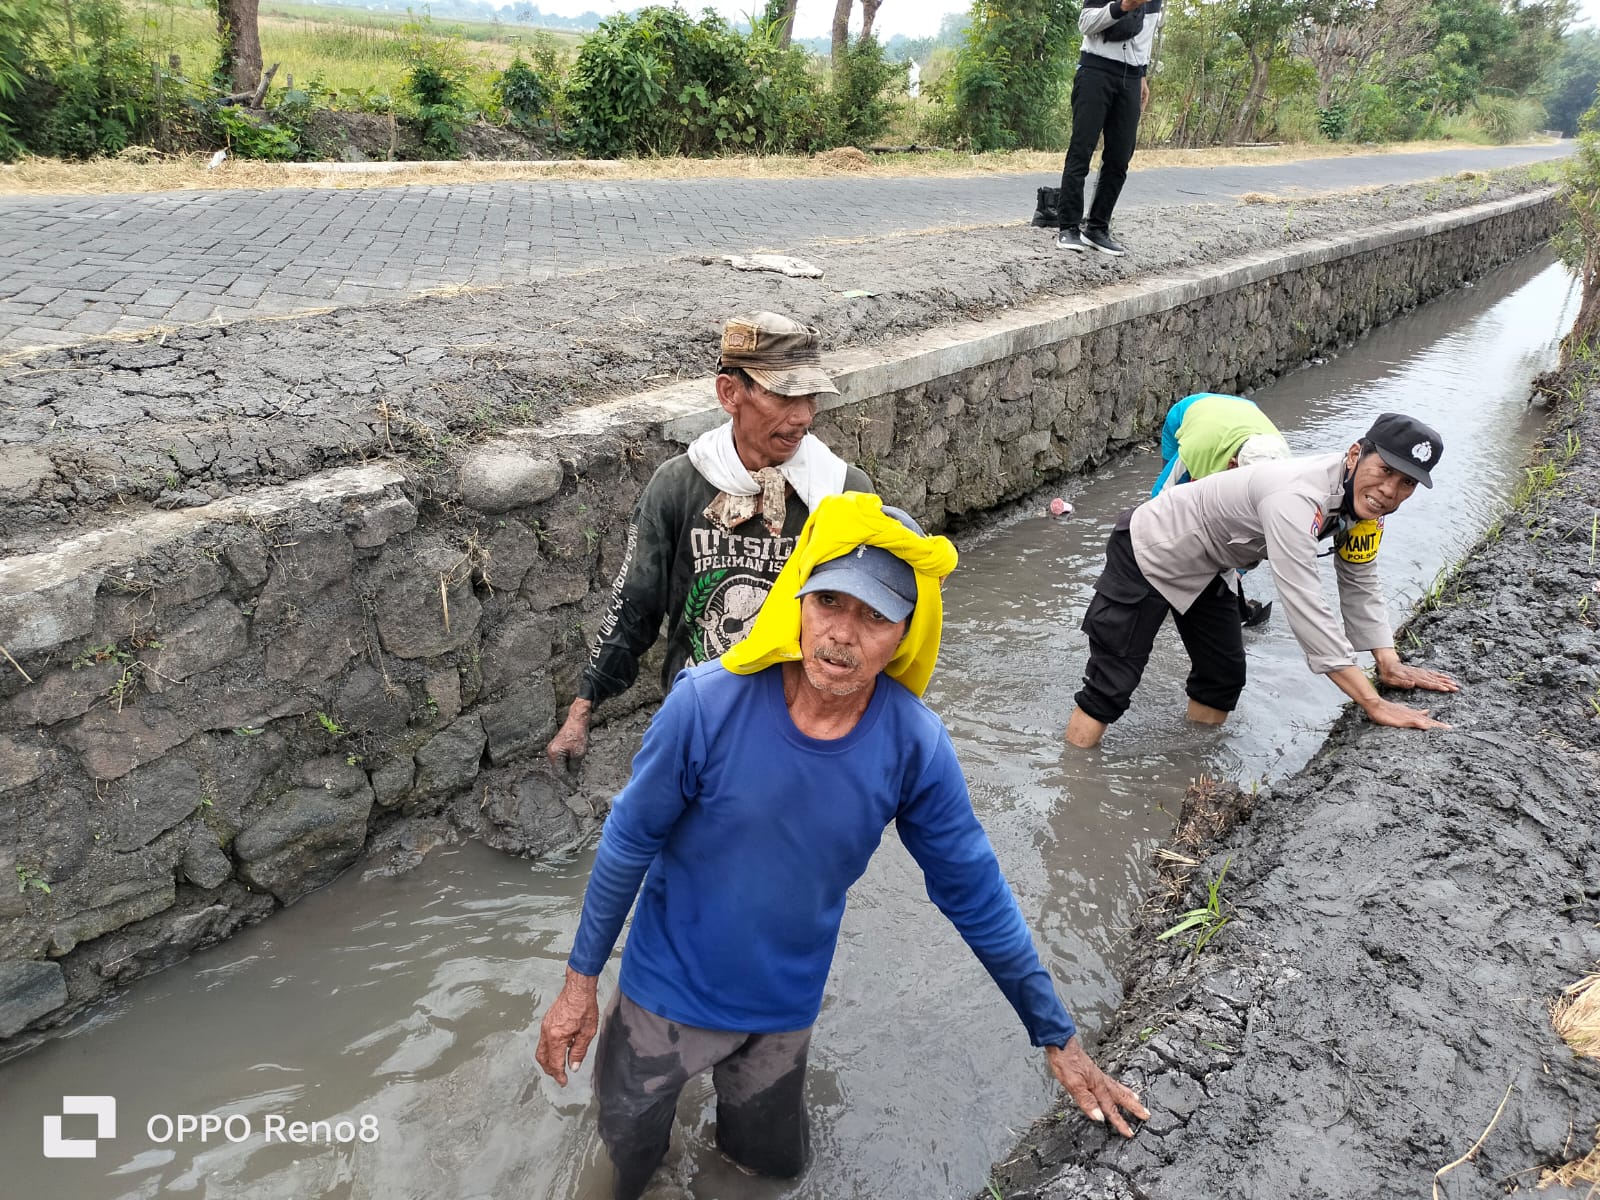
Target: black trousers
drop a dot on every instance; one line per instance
(1123, 619)
(1103, 102)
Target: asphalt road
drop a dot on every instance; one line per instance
(76, 267)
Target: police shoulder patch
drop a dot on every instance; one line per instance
(1360, 542)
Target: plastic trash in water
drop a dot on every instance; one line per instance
(1060, 508)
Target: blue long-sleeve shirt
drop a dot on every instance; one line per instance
(746, 835)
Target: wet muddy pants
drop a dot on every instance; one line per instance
(642, 1064)
(1122, 622)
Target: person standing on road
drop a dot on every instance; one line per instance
(715, 525)
(1109, 93)
(1210, 432)
(1180, 552)
(761, 793)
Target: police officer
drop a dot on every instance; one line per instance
(1180, 552)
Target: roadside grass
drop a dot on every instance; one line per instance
(40, 176)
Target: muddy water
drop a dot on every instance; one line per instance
(408, 1000)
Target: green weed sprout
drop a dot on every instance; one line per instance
(1206, 922)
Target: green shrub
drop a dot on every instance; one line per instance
(21, 22)
(524, 95)
(1008, 86)
(251, 137)
(434, 87)
(99, 99)
(658, 82)
(1333, 121)
(866, 91)
(1506, 119)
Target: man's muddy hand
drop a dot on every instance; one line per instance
(1100, 1097)
(571, 741)
(1400, 716)
(569, 1026)
(1399, 675)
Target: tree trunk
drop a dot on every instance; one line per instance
(782, 11)
(241, 42)
(1253, 98)
(869, 13)
(841, 31)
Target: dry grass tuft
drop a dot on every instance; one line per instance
(1583, 1170)
(844, 158)
(1576, 1016)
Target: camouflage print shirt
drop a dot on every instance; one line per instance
(707, 583)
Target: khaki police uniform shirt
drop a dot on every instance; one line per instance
(1187, 536)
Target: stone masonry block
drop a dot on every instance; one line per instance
(22, 760)
(517, 649)
(1017, 381)
(303, 564)
(512, 550)
(305, 838)
(147, 802)
(519, 725)
(62, 694)
(375, 524)
(429, 608)
(190, 582)
(214, 635)
(497, 480)
(44, 603)
(28, 990)
(315, 650)
(204, 864)
(114, 742)
(450, 759)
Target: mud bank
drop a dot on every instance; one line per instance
(201, 414)
(1404, 911)
(216, 701)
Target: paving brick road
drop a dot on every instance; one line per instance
(75, 267)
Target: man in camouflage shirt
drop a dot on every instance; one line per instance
(715, 525)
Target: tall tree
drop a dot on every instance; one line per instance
(1351, 41)
(241, 44)
(1262, 26)
(841, 30)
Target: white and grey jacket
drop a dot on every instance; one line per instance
(1187, 536)
(1094, 20)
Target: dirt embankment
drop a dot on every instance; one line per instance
(194, 415)
(1403, 912)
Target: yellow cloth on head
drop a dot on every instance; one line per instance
(837, 526)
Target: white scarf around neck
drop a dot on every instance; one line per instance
(814, 472)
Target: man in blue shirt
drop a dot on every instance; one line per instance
(759, 795)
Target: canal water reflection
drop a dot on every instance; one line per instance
(413, 999)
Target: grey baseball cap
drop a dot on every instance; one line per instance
(871, 574)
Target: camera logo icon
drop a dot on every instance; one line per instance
(102, 1108)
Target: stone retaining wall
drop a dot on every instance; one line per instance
(209, 713)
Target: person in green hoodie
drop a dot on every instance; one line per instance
(1209, 432)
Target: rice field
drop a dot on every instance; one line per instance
(358, 54)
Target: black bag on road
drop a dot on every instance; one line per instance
(1047, 210)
